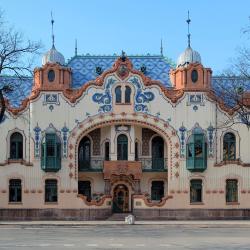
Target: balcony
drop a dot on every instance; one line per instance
(146, 164)
(154, 164)
(51, 164)
(94, 165)
(125, 168)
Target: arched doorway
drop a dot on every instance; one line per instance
(121, 199)
(122, 148)
(157, 153)
(84, 154)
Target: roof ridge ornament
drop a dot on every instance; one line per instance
(188, 35)
(52, 30)
(76, 47)
(161, 50)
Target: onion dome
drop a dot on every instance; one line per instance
(53, 56)
(187, 57)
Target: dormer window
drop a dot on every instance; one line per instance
(123, 94)
(51, 75)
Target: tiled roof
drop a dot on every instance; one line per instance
(84, 70)
(84, 67)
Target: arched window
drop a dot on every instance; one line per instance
(84, 154)
(127, 94)
(157, 153)
(122, 147)
(16, 146)
(229, 147)
(118, 94)
(106, 151)
(15, 190)
(51, 190)
(51, 153)
(197, 152)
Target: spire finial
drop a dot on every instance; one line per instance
(52, 31)
(76, 47)
(161, 48)
(188, 35)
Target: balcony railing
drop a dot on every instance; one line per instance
(147, 164)
(154, 164)
(94, 165)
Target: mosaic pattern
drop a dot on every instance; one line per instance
(84, 67)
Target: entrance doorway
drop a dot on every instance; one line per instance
(121, 199)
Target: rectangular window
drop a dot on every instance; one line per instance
(84, 188)
(195, 191)
(232, 191)
(157, 190)
(51, 191)
(15, 190)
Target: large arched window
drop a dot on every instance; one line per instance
(84, 154)
(229, 147)
(127, 95)
(157, 153)
(51, 153)
(197, 151)
(118, 94)
(122, 147)
(16, 146)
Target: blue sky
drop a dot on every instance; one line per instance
(135, 26)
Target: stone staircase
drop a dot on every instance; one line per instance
(118, 216)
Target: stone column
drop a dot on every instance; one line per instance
(107, 187)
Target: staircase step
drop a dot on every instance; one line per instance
(118, 216)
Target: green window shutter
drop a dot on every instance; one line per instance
(51, 153)
(190, 156)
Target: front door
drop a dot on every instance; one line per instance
(121, 199)
(122, 148)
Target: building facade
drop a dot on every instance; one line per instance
(111, 134)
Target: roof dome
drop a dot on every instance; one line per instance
(187, 57)
(53, 56)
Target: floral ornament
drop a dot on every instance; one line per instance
(210, 130)
(65, 131)
(37, 131)
(182, 130)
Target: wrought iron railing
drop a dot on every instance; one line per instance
(94, 164)
(154, 164)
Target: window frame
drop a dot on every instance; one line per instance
(192, 194)
(228, 143)
(17, 190)
(17, 142)
(154, 196)
(54, 190)
(231, 200)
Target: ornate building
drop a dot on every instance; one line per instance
(109, 134)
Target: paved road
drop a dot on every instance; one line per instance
(123, 237)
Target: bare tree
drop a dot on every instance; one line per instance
(233, 87)
(16, 58)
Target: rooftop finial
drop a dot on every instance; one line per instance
(188, 22)
(76, 47)
(52, 30)
(161, 48)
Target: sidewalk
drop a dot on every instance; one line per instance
(210, 223)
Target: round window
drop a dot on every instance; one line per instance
(194, 75)
(51, 75)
